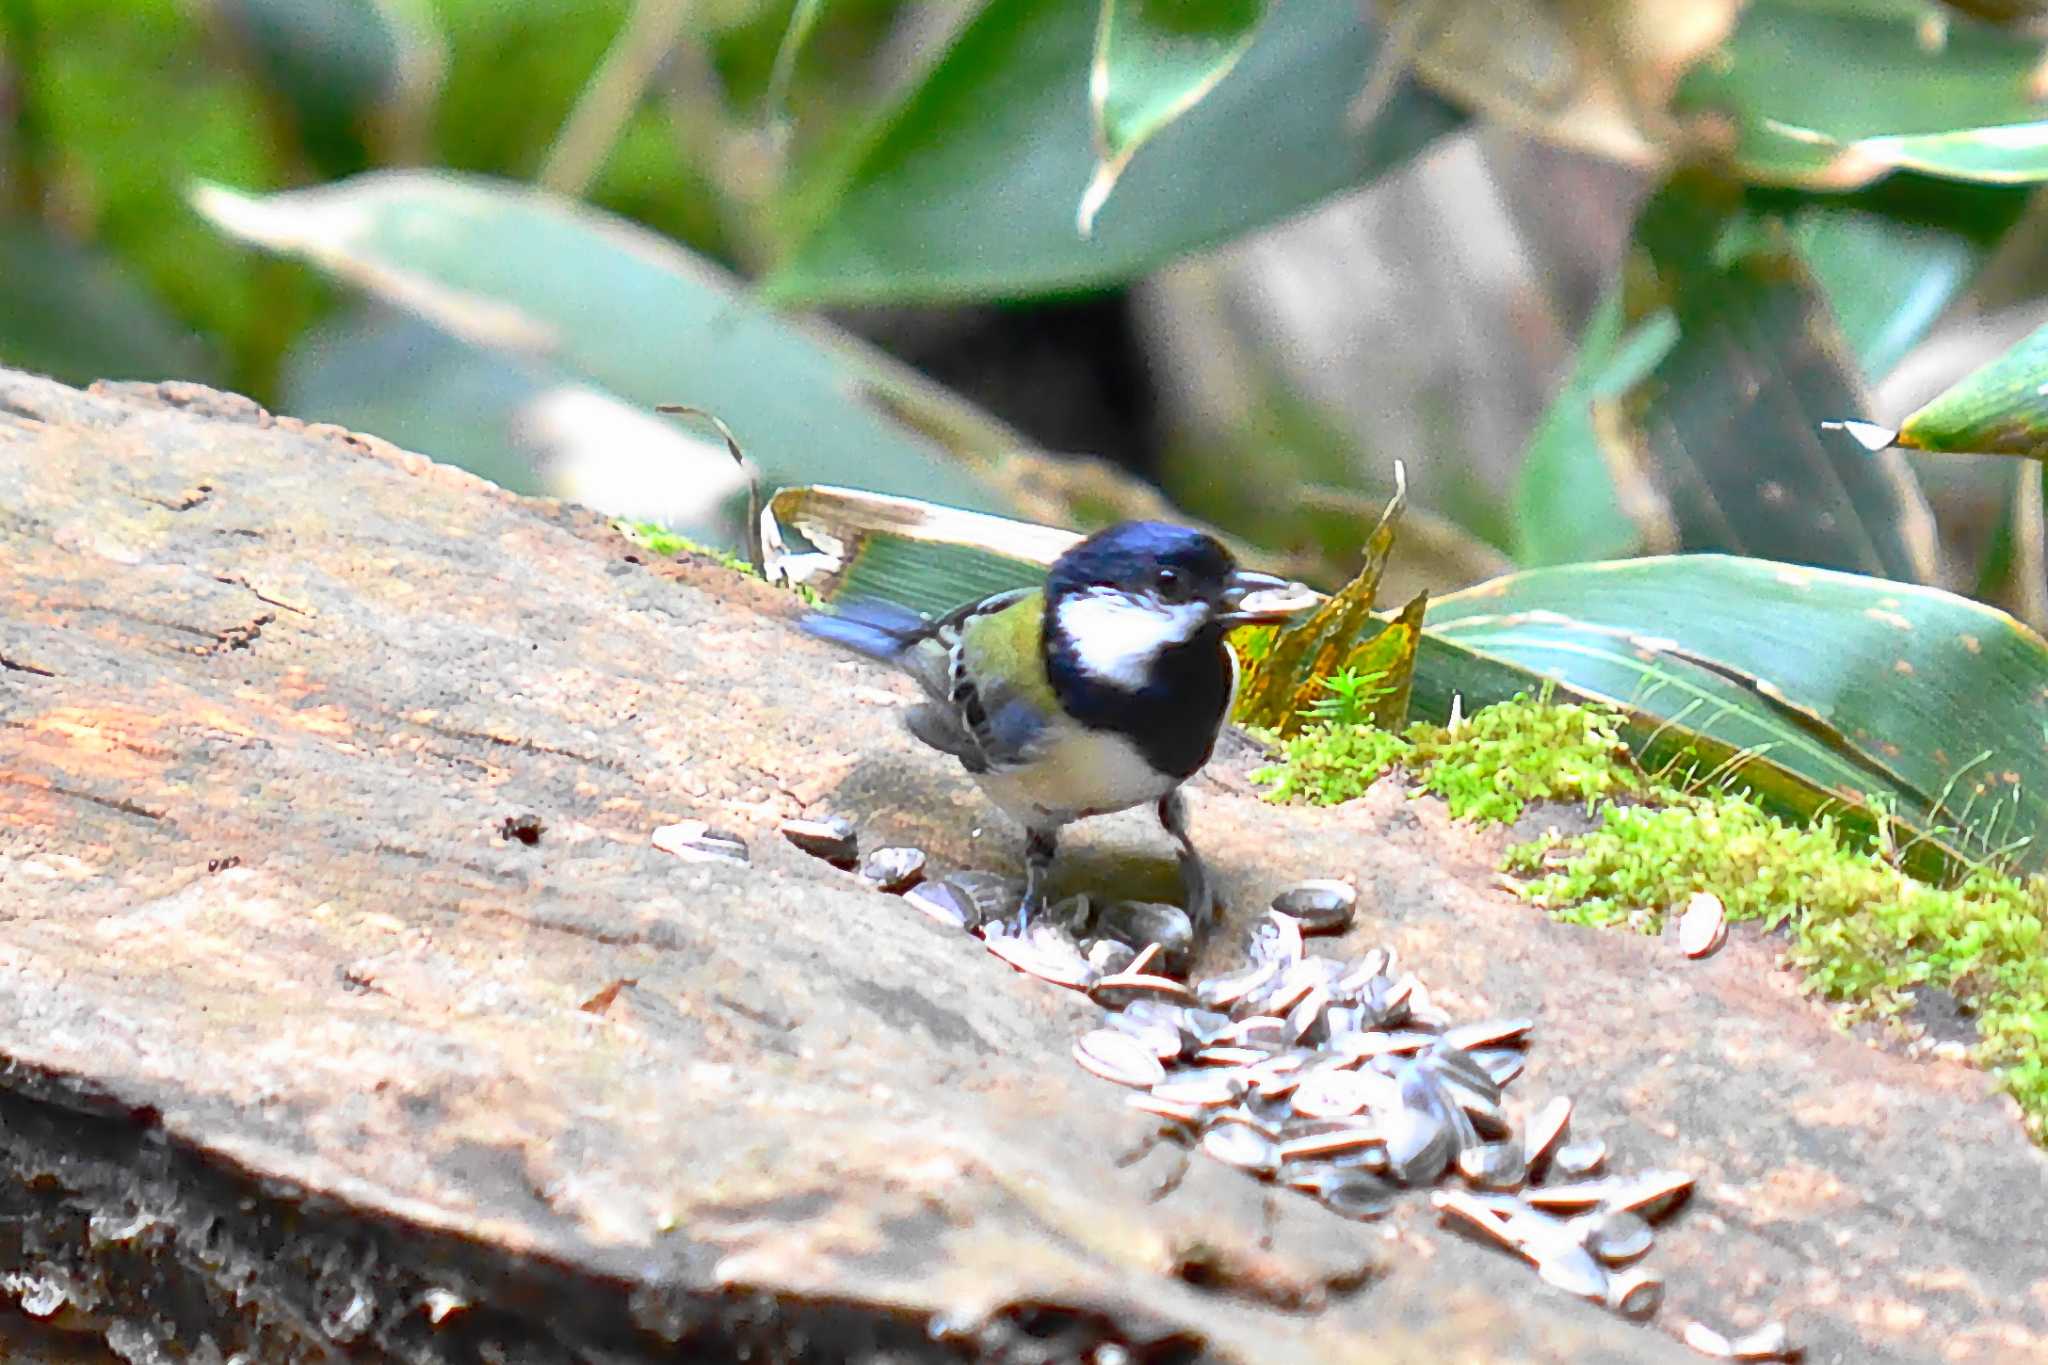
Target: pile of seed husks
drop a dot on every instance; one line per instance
(1339, 1079)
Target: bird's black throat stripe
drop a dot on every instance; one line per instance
(1172, 719)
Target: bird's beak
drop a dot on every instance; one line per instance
(1250, 597)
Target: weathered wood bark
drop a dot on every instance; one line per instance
(301, 1057)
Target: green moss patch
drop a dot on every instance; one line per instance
(1863, 932)
(1488, 769)
(659, 540)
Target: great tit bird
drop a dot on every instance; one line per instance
(1103, 690)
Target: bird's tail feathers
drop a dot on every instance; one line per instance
(878, 629)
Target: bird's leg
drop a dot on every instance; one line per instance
(1039, 847)
(1194, 877)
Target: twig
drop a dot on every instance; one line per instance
(755, 550)
(615, 89)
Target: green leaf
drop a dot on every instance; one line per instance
(853, 545)
(1391, 656)
(1998, 410)
(1835, 95)
(1915, 701)
(842, 543)
(1691, 418)
(1726, 424)
(967, 189)
(377, 369)
(1569, 499)
(594, 301)
(1153, 60)
(1889, 260)
(77, 315)
(1892, 258)
(2011, 154)
(521, 424)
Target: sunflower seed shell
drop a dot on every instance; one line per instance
(834, 838)
(1703, 928)
(1321, 906)
(1119, 1058)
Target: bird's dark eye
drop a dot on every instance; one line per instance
(1170, 584)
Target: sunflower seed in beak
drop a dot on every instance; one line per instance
(1250, 597)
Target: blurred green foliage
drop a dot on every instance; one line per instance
(119, 106)
(120, 103)
(514, 72)
(1781, 265)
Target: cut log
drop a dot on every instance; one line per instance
(305, 1052)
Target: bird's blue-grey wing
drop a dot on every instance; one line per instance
(891, 634)
(982, 724)
(877, 629)
(1013, 730)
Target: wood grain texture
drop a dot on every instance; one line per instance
(300, 1055)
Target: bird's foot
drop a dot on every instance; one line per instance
(1039, 847)
(1204, 906)
(1203, 903)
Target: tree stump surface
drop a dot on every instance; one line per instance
(302, 1056)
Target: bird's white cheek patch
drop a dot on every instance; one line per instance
(1116, 637)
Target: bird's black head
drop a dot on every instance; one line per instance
(1152, 562)
(1134, 623)
(1174, 572)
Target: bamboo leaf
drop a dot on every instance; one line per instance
(2001, 409)
(1890, 259)
(1882, 697)
(843, 543)
(1834, 96)
(1154, 59)
(1726, 424)
(967, 188)
(1573, 501)
(1887, 261)
(579, 297)
(1390, 656)
(525, 426)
